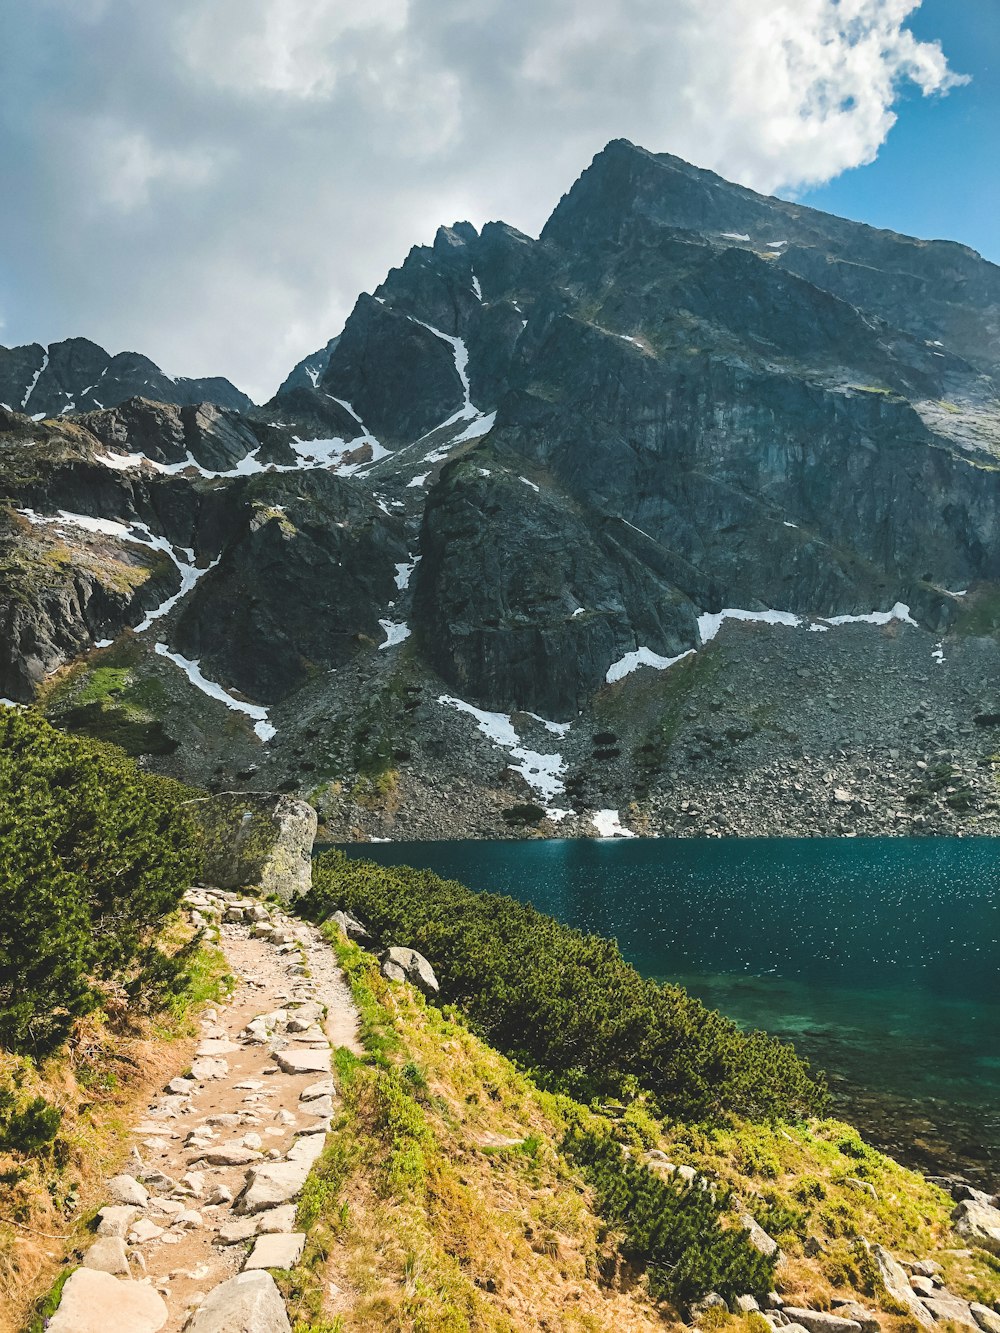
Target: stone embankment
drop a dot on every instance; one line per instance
(206, 1206)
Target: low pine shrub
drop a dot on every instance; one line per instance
(567, 1005)
(672, 1230)
(94, 854)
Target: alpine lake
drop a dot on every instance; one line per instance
(878, 957)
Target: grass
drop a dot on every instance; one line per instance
(442, 1202)
(106, 699)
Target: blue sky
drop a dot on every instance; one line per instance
(938, 173)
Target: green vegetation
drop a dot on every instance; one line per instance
(451, 1186)
(108, 701)
(567, 1005)
(673, 1230)
(94, 856)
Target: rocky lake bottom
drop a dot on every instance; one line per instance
(877, 957)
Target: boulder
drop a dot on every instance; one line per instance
(126, 1189)
(893, 1277)
(259, 840)
(115, 1220)
(945, 1306)
(276, 1250)
(758, 1237)
(247, 1303)
(713, 1301)
(818, 1321)
(987, 1319)
(296, 1060)
(277, 1220)
(860, 1314)
(408, 965)
(107, 1255)
(272, 1185)
(979, 1223)
(95, 1302)
(351, 927)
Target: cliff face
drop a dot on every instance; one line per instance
(525, 462)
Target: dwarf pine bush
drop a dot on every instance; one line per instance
(567, 1005)
(94, 854)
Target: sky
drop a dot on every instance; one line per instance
(213, 182)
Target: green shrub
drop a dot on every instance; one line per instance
(94, 855)
(26, 1126)
(672, 1230)
(567, 1005)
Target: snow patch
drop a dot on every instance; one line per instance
(557, 728)
(404, 572)
(609, 825)
(418, 481)
(481, 426)
(734, 236)
(529, 483)
(640, 658)
(31, 387)
(899, 612)
(938, 653)
(710, 623)
(192, 670)
(395, 632)
(477, 289)
(542, 772)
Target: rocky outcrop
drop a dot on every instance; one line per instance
(262, 841)
(307, 572)
(978, 1222)
(407, 965)
(892, 1275)
(538, 629)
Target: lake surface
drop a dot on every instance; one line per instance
(878, 957)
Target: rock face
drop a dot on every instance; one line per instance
(247, 1303)
(260, 840)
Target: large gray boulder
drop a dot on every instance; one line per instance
(978, 1223)
(247, 1303)
(260, 840)
(758, 1237)
(95, 1302)
(408, 965)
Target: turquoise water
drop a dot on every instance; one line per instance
(877, 957)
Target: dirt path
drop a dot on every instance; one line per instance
(220, 1157)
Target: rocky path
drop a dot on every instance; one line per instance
(219, 1158)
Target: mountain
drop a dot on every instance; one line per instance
(682, 516)
(78, 376)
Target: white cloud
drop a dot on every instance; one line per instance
(242, 168)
